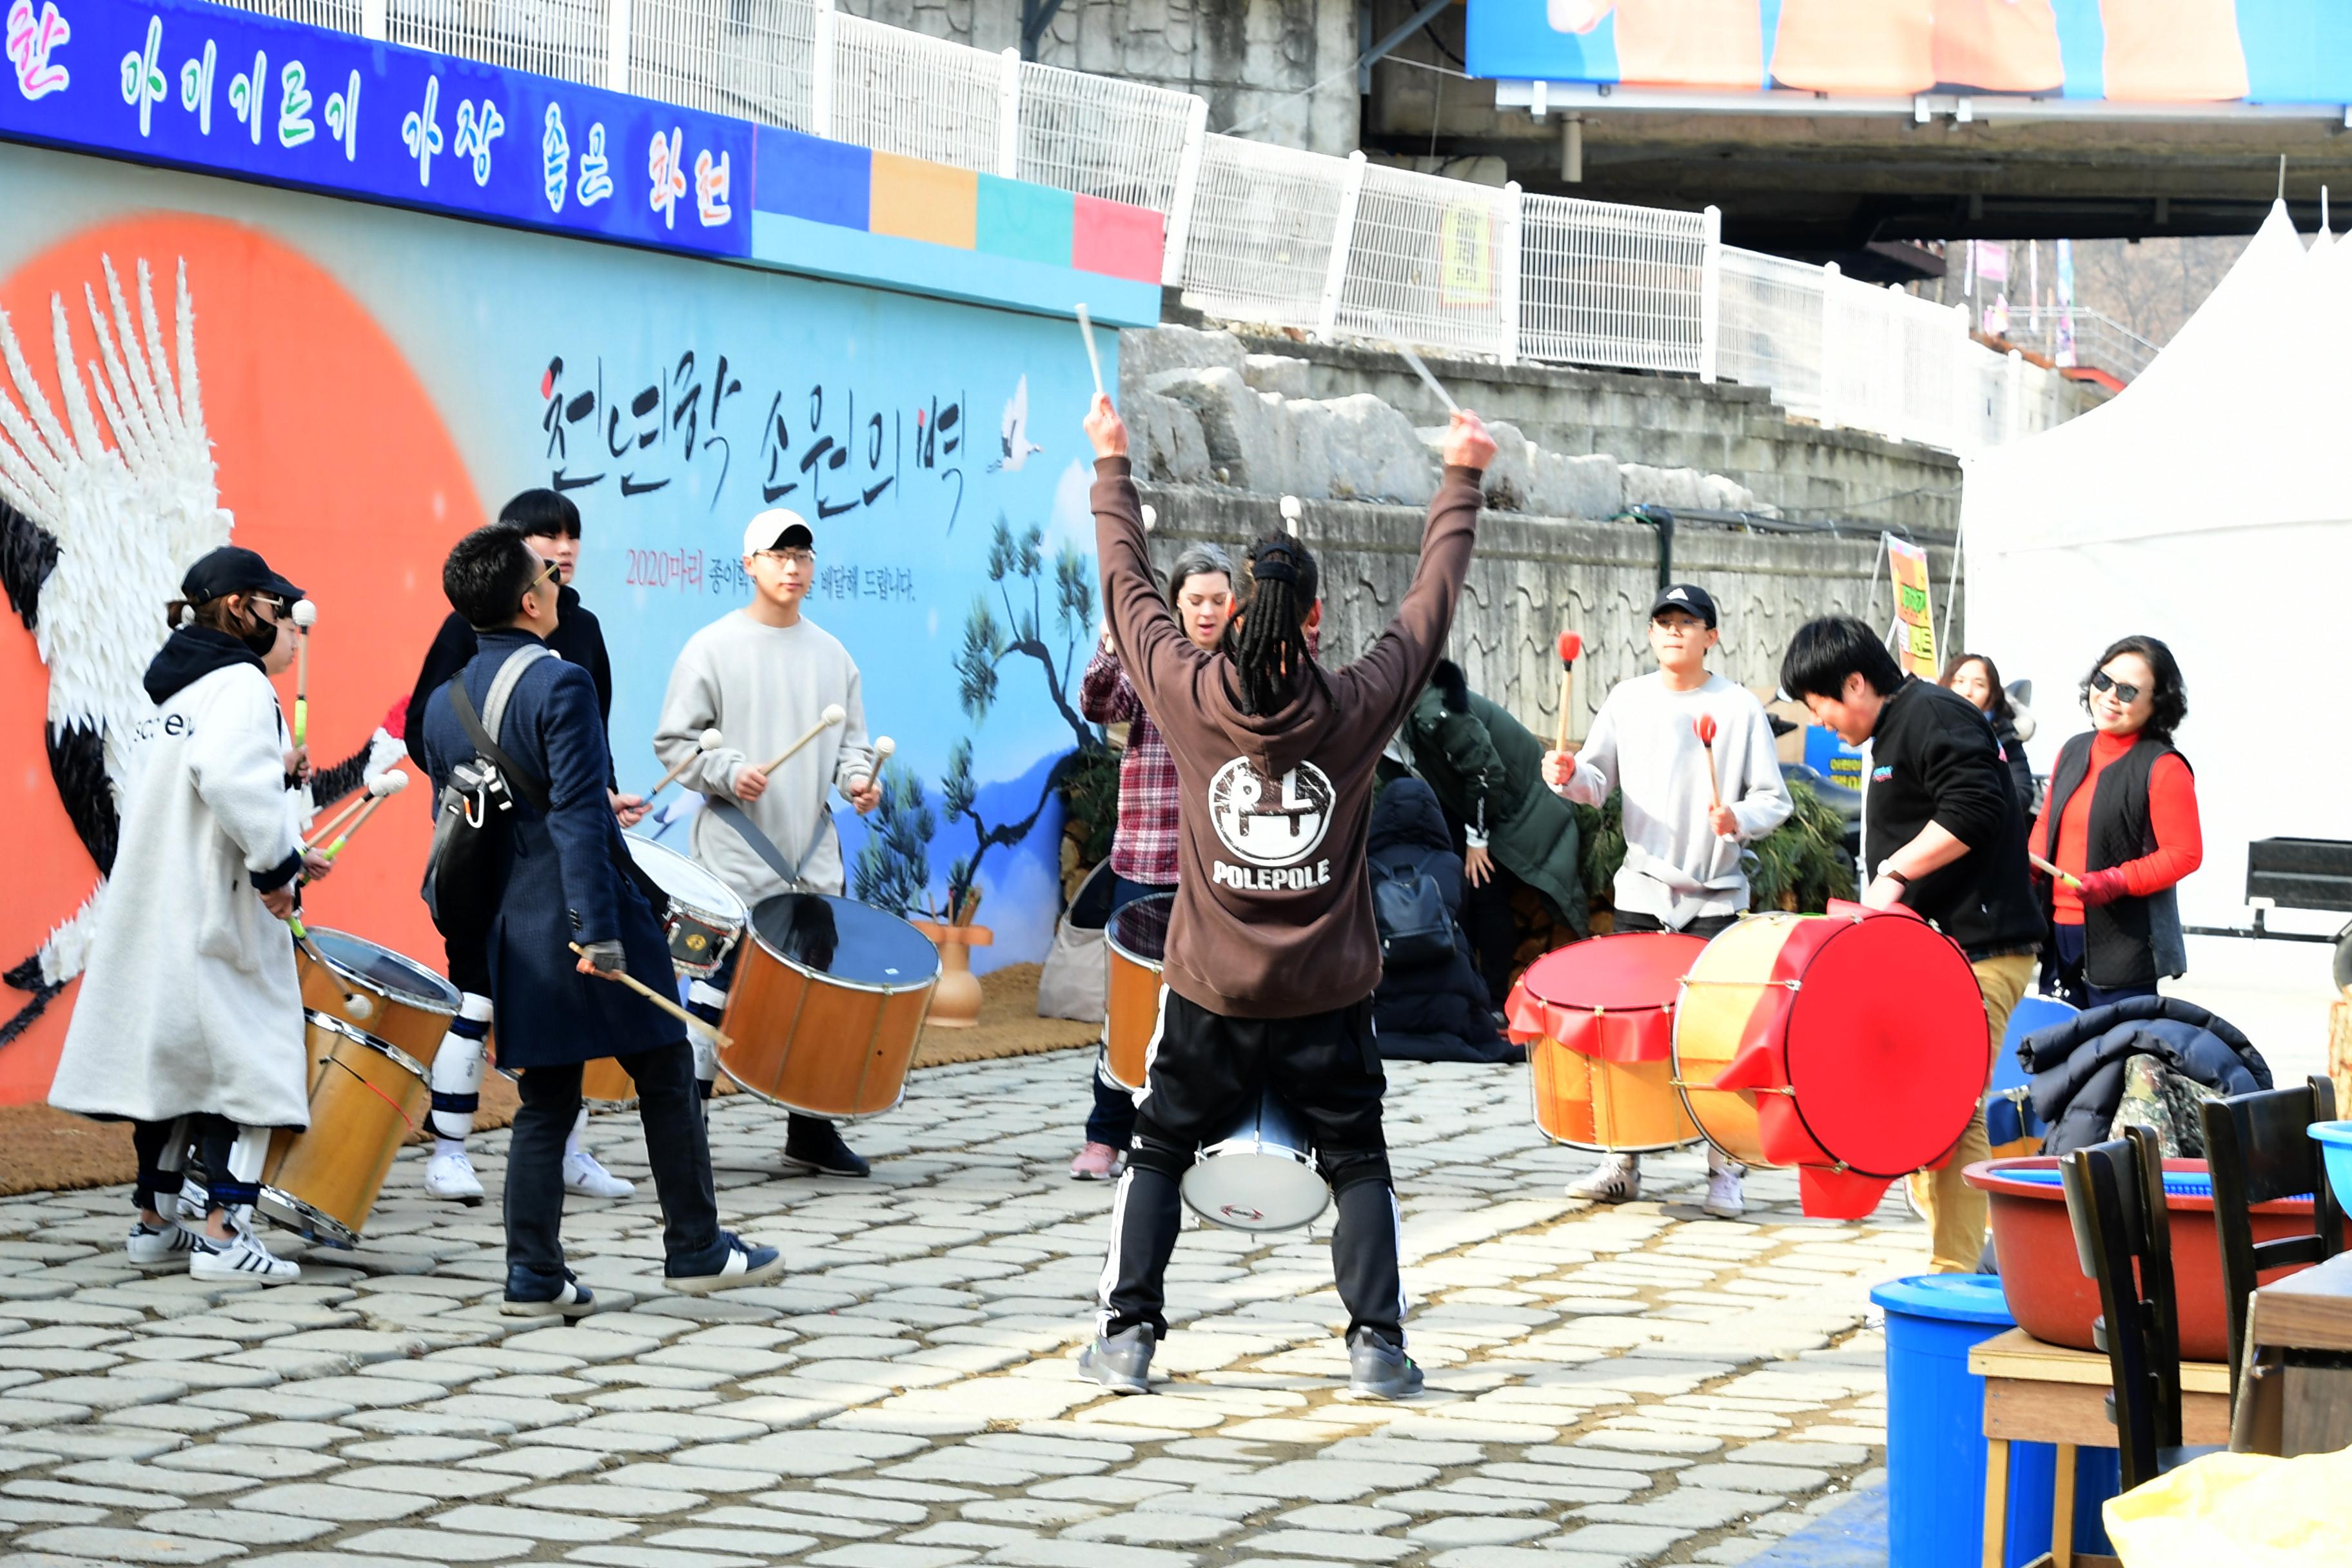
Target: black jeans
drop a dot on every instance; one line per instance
(1707, 926)
(1205, 1071)
(1493, 929)
(671, 1111)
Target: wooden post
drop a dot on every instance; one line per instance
(2339, 1053)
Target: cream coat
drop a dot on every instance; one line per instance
(190, 1003)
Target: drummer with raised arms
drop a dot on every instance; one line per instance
(190, 1025)
(1272, 953)
(1690, 805)
(765, 677)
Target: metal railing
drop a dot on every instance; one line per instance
(1337, 246)
(2098, 339)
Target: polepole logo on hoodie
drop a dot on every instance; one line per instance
(1275, 825)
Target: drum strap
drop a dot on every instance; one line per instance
(734, 816)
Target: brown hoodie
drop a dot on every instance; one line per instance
(1273, 912)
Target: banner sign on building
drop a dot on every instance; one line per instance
(205, 88)
(2122, 51)
(1915, 621)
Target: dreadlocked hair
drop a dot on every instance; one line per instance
(1267, 640)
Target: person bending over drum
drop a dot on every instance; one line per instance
(559, 884)
(1143, 850)
(1272, 953)
(190, 1022)
(551, 523)
(1946, 837)
(1683, 829)
(765, 677)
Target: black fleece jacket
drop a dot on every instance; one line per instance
(1932, 759)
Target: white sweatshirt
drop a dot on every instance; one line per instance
(763, 688)
(1645, 742)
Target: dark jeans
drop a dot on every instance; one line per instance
(2064, 969)
(1707, 926)
(669, 1107)
(1327, 1066)
(1112, 1120)
(1493, 929)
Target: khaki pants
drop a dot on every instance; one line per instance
(1955, 1211)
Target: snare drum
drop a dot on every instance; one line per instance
(367, 1096)
(1261, 1176)
(705, 916)
(1137, 941)
(1852, 1046)
(827, 1005)
(1597, 1019)
(411, 1006)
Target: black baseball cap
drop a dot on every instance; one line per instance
(1689, 598)
(233, 568)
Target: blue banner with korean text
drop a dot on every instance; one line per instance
(207, 88)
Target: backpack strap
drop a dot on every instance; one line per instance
(484, 734)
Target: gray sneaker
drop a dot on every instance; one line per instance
(1379, 1370)
(1120, 1363)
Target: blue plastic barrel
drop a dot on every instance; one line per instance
(1935, 1433)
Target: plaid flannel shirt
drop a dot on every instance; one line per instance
(1144, 849)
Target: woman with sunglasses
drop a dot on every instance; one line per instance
(2121, 826)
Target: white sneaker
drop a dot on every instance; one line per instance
(583, 1174)
(1616, 1180)
(241, 1257)
(1725, 1200)
(167, 1242)
(450, 1177)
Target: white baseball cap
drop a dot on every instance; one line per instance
(778, 528)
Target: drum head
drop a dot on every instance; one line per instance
(1255, 1192)
(851, 942)
(395, 977)
(685, 881)
(1618, 973)
(1139, 929)
(1888, 1049)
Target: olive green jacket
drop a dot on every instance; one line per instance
(1487, 770)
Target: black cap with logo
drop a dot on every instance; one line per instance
(1689, 598)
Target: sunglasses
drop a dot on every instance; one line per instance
(2126, 694)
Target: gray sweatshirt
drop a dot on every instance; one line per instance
(1645, 742)
(764, 686)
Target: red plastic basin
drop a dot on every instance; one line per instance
(2042, 1274)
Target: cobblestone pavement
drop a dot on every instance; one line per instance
(1608, 1386)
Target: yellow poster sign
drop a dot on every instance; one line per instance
(1914, 622)
(1466, 233)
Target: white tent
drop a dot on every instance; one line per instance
(2210, 504)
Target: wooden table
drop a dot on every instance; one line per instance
(2038, 1393)
(2296, 1396)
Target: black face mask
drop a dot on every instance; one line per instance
(261, 639)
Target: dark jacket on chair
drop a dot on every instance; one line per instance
(567, 877)
(2078, 1066)
(1433, 1012)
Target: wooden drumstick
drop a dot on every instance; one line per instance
(306, 616)
(378, 786)
(666, 1004)
(707, 742)
(1705, 725)
(883, 746)
(358, 1005)
(1570, 647)
(833, 714)
(2048, 870)
(381, 788)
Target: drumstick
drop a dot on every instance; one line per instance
(378, 785)
(1570, 647)
(306, 616)
(833, 715)
(667, 1005)
(1094, 355)
(883, 746)
(706, 741)
(361, 1007)
(381, 788)
(2066, 876)
(1705, 725)
(1390, 330)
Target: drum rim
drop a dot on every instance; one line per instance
(742, 911)
(1157, 965)
(766, 1099)
(311, 1221)
(1604, 1011)
(443, 1004)
(356, 1036)
(882, 988)
(1263, 1150)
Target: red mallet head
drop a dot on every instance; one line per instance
(1705, 727)
(1571, 646)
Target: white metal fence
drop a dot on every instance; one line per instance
(1275, 235)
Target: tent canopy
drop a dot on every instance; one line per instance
(2210, 504)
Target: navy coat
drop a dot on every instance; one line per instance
(1436, 1012)
(566, 877)
(2078, 1066)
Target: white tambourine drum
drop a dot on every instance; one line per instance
(1260, 1175)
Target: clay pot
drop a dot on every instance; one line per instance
(955, 1004)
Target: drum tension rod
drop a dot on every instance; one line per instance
(1791, 984)
(1760, 1088)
